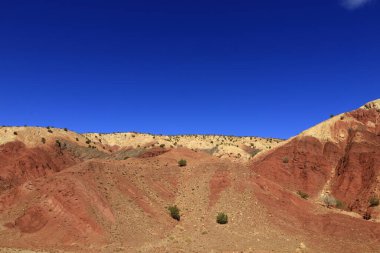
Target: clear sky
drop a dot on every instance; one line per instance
(264, 68)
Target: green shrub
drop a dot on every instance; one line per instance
(303, 195)
(162, 145)
(222, 218)
(182, 163)
(340, 204)
(174, 212)
(374, 201)
(329, 201)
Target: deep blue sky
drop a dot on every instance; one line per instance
(263, 68)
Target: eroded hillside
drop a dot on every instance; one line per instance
(66, 192)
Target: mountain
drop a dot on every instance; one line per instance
(61, 191)
(339, 158)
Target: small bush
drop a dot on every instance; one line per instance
(340, 204)
(285, 160)
(303, 195)
(174, 212)
(50, 131)
(374, 201)
(329, 201)
(43, 140)
(182, 163)
(15, 133)
(367, 216)
(162, 145)
(222, 218)
(65, 129)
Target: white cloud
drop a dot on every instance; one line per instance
(354, 4)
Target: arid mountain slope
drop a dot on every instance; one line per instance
(220, 146)
(65, 192)
(339, 157)
(232, 147)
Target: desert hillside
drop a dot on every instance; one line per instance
(61, 191)
(231, 147)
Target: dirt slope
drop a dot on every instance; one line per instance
(81, 193)
(339, 158)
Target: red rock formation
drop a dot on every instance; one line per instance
(346, 163)
(19, 163)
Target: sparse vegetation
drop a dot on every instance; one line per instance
(15, 133)
(182, 163)
(285, 160)
(339, 204)
(222, 218)
(330, 201)
(303, 195)
(174, 212)
(65, 129)
(367, 216)
(162, 145)
(43, 140)
(255, 151)
(374, 201)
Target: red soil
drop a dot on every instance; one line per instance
(352, 165)
(50, 199)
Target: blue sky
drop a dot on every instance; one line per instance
(263, 68)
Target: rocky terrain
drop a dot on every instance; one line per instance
(61, 191)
